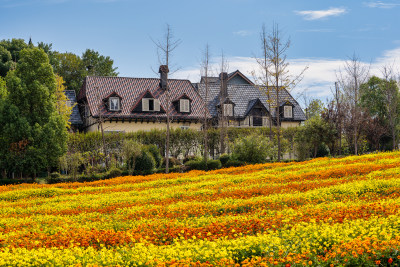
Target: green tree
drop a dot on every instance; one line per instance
(5, 61)
(3, 88)
(98, 65)
(71, 68)
(315, 108)
(312, 135)
(31, 104)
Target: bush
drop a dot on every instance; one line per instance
(234, 163)
(224, 159)
(252, 149)
(145, 163)
(55, 175)
(196, 165)
(201, 165)
(214, 164)
(172, 162)
(155, 152)
(114, 172)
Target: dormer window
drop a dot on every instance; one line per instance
(184, 105)
(287, 111)
(150, 104)
(114, 104)
(228, 110)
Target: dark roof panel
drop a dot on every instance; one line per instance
(131, 90)
(75, 118)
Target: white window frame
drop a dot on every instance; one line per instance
(111, 106)
(287, 111)
(184, 105)
(146, 106)
(228, 110)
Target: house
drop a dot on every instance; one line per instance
(75, 118)
(245, 104)
(124, 104)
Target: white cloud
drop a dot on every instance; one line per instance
(380, 4)
(319, 79)
(242, 33)
(320, 14)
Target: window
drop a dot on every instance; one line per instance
(288, 111)
(150, 104)
(228, 110)
(184, 105)
(114, 104)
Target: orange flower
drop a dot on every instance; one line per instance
(390, 260)
(377, 262)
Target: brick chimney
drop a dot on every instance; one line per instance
(163, 76)
(223, 77)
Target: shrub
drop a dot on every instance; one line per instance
(145, 163)
(55, 175)
(201, 165)
(234, 163)
(252, 149)
(214, 164)
(172, 162)
(224, 159)
(155, 152)
(114, 172)
(196, 165)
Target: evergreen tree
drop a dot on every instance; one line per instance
(34, 134)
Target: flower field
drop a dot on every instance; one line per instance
(323, 212)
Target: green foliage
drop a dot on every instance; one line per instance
(224, 159)
(131, 150)
(71, 163)
(114, 172)
(99, 64)
(315, 109)
(234, 163)
(33, 135)
(252, 149)
(372, 97)
(3, 88)
(214, 164)
(155, 152)
(312, 135)
(145, 163)
(196, 165)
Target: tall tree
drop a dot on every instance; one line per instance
(63, 105)
(223, 121)
(165, 48)
(99, 65)
(205, 72)
(279, 76)
(262, 77)
(71, 68)
(354, 74)
(31, 102)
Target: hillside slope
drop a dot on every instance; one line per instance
(320, 212)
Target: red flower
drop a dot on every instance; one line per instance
(287, 265)
(390, 261)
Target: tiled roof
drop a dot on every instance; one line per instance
(75, 118)
(244, 97)
(95, 89)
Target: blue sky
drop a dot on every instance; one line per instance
(323, 33)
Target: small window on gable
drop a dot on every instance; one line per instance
(184, 105)
(228, 110)
(114, 104)
(150, 104)
(287, 111)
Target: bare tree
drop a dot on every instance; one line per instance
(279, 77)
(354, 74)
(223, 96)
(391, 97)
(205, 71)
(262, 80)
(165, 48)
